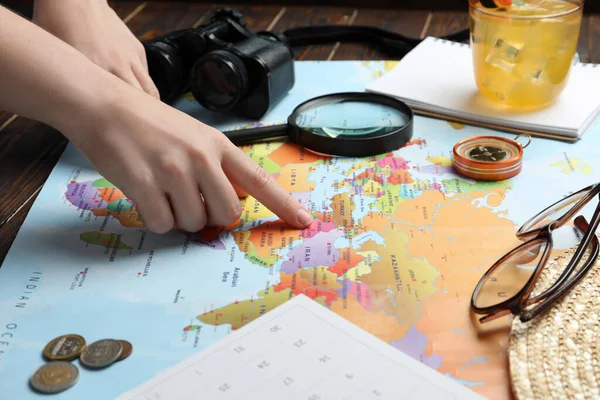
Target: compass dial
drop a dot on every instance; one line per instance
(489, 158)
(488, 153)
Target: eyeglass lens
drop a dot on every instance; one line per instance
(554, 213)
(576, 237)
(510, 275)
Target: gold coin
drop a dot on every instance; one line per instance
(64, 348)
(127, 349)
(54, 377)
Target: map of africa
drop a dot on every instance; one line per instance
(397, 245)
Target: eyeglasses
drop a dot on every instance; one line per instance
(506, 288)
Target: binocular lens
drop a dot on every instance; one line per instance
(219, 80)
(164, 67)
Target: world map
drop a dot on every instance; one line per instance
(397, 245)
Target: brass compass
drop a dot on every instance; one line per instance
(489, 158)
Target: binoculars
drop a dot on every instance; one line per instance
(225, 66)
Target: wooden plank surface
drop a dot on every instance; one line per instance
(593, 38)
(4, 119)
(444, 23)
(584, 42)
(29, 150)
(127, 10)
(410, 23)
(300, 16)
(159, 18)
(444, 5)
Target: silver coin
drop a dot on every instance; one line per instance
(54, 377)
(101, 353)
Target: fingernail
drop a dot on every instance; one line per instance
(304, 217)
(237, 208)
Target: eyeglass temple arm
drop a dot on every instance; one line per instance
(582, 224)
(495, 315)
(589, 234)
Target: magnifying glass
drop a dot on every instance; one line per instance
(353, 124)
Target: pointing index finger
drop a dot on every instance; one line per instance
(250, 177)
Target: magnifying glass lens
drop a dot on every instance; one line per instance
(352, 124)
(353, 118)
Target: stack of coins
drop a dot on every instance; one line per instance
(59, 374)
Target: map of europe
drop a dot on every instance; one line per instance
(397, 244)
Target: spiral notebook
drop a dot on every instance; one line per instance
(436, 79)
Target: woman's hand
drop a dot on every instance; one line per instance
(93, 28)
(178, 171)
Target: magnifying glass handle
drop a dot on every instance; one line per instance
(245, 136)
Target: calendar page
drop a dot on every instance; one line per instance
(300, 350)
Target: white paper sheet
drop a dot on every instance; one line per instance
(300, 350)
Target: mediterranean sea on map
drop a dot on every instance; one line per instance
(396, 247)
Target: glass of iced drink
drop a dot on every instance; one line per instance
(523, 49)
